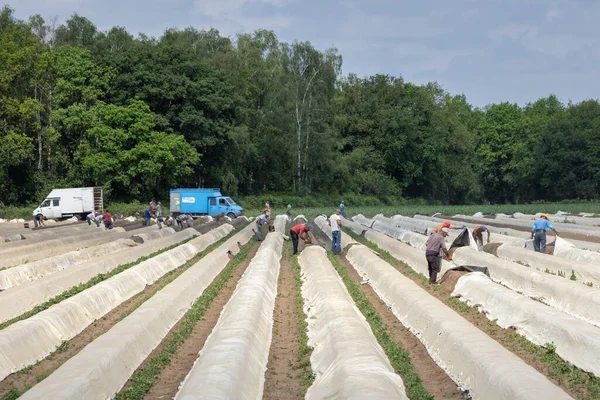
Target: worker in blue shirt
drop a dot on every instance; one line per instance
(538, 233)
(343, 209)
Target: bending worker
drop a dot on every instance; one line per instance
(436, 244)
(299, 231)
(260, 221)
(538, 233)
(446, 224)
(478, 234)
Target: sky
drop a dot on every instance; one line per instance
(490, 50)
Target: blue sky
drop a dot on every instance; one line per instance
(490, 50)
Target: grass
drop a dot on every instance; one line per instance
(83, 286)
(585, 384)
(399, 358)
(306, 375)
(144, 378)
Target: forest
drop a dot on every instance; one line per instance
(251, 115)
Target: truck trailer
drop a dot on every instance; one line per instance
(69, 202)
(199, 201)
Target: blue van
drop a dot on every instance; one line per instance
(197, 202)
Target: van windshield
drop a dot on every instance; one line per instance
(231, 202)
(46, 203)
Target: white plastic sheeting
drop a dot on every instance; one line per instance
(584, 272)
(301, 216)
(563, 294)
(20, 299)
(471, 358)
(347, 360)
(361, 219)
(234, 359)
(567, 251)
(26, 342)
(576, 341)
(22, 256)
(415, 225)
(24, 273)
(409, 255)
(353, 226)
(280, 223)
(412, 238)
(125, 346)
(321, 222)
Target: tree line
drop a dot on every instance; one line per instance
(140, 115)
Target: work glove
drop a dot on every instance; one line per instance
(463, 227)
(449, 258)
(488, 240)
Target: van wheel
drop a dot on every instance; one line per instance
(231, 215)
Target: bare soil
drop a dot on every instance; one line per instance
(282, 378)
(435, 380)
(169, 379)
(450, 278)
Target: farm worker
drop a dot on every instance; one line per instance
(343, 209)
(289, 209)
(267, 209)
(447, 225)
(538, 233)
(260, 221)
(107, 220)
(478, 234)
(335, 222)
(435, 245)
(158, 211)
(38, 219)
(148, 215)
(301, 231)
(98, 220)
(92, 217)
(181, 218)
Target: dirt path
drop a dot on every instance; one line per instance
(183, 359)
(435, 380)
(283, 379)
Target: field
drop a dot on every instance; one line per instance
(209, 311)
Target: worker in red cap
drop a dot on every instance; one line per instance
(538, 233)
(446, 224)
(434, 248)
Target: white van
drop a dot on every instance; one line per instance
(65, 203)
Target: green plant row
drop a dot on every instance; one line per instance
(565, 373)
(83, 286)
(399, 358)
(143, 379)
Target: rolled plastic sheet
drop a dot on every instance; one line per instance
(321, 222)
(24, 273)
(409, 255)
(584, 272)
(361, 219)
(576, 341)
(234, 359)
(348, 361)
(578, 300)
(566, 250)
(26, 342)
(471, 358)
(280, 223)
(20, 299)
(301, 216)
(126, 345)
